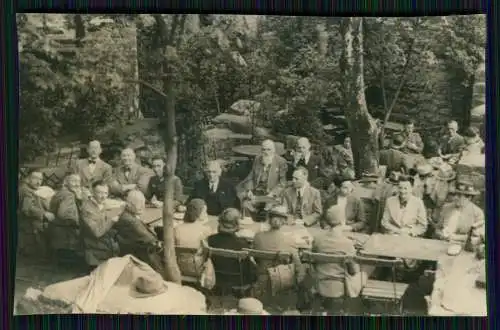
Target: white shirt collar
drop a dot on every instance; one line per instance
(307, 157)
(214, 184)
(302, 190)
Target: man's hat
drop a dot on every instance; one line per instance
(148, 285)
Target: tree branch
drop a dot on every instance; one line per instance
(148, 85)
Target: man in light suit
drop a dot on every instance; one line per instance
(303, 156)
(302, 200)
(404, 214)
(130, 175)
(266, 178)
(92, 169)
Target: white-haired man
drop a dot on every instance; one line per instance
(92, 169)
(266, 178)
(451, 143)
(304, 157)
(129, 175)
(219, 194)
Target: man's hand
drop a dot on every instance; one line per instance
(49, 216)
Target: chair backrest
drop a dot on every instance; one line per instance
(279, 256)
(323, 258)
(230, 254)
(378, 262)
(182, 250)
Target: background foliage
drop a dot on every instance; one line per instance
(76, 86)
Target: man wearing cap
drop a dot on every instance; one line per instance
(412, 142)
(451, 143)
(394, 158)
(266, 178)
(92, 169)
(461, 216)
(301, 200)
(331, 278)
(218, 193)
(226, 239)
(129, 175)
(304, 157)
(404, 214)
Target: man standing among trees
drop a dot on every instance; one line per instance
(92, 169)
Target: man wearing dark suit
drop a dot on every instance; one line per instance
(217, 193)
(92, 169)
(155, 192)
(394, 158)
(303, 157)
(129, 175)
(266, 178)
(302, 200)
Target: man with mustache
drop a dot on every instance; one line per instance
(92, 169)
(266, 178)
(130, 175)
(304, 157)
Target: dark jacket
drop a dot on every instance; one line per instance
(133, 236)
(156, 187)
(395, 160)
(355, 212)
(31, 210)
(315, 166)
(65, 229)
(225, 196)
(231, 242)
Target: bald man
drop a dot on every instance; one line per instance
(218, 193)
(92, 169)
(304, 157)
(129, 175)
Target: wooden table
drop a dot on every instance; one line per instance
(454, 292)
(152, 215)
(405, 247)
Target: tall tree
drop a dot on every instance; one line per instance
(363, 129)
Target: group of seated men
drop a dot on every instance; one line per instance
(78, 223)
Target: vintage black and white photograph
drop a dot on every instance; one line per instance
(197, 164)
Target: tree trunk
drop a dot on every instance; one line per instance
(363, 128)
(467, 101)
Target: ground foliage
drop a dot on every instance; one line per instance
(418, 67)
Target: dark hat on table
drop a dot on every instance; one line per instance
(464, 187)
(148, 285)
(229, 221)
(278, 211)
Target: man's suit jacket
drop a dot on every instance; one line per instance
(102, 172)
(31, 210)
(413, 138)
(225, 196)
(331, 276)
(276, 179)
(413, 218)
(138, 175)
(65, 229)
(471, 216)
(451, 145)
(394, 160)
(355, 212)
(133, 234)
(276, 241)
(99, 238)
(315, 167)
(311, 203)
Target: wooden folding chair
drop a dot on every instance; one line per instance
(240, 257)
(315, 259)
(383, 291)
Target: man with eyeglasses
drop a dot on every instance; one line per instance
(266, 178)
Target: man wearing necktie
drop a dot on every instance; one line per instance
(304, 157)
(301, 199)
(129, 175)
(92, 169)
(155, 193)
(218, 193)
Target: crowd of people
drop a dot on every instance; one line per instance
(416, 197)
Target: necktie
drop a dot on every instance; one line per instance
(212, 187)
(126, 171)
(403, 203)
(298, 205)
